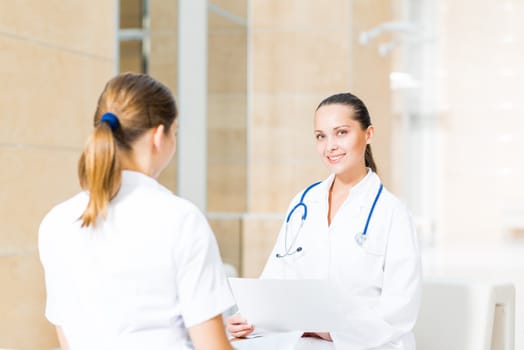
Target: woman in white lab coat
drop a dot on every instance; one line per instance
(129, 265)
(355, 233)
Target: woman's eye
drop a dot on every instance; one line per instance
(319, 136)
(342, 132)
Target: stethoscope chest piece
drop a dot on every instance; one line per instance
(360, 238)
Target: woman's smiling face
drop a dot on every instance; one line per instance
(341, 142)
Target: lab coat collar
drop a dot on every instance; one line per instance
(134, 179)
(368, 185)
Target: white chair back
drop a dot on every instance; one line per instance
(462, 315)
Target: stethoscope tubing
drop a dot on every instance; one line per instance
(360, 237)
(301, 203)
(372, 209)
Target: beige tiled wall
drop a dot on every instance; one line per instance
(163, 60)
(52, 23)
(53, 66)
(228, 232)
(258, 239)
(35, 74)
(237, 8)
(23, 325)
(227, 107)
(164, 41)
(227, 127)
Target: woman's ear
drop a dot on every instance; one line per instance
(370, 131)
(158, 137)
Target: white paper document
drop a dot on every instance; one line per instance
(282, 341)
(270, 341)
(288, 305)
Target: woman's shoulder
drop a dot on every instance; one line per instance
(59, 220)
(68, 210)
(392, 204)
(162, 204)
(386, 196)
(164, 198)
(178, 215)
(391, 198)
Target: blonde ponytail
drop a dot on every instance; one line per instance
(99, 173)
(139, 103)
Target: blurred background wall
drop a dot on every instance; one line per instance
(54, 58)
(442, 80)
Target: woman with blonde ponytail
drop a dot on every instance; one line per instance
(129, 265)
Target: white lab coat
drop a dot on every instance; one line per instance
(384, 274)
(138, 280)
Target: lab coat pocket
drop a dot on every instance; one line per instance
(372, 257)
(295, 265)
(373, 250)
(373, 254)
(297, 257)
(375, 245)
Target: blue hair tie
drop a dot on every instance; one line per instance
(110, 119)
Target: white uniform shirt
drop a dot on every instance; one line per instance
(137, 280)
(384, 274)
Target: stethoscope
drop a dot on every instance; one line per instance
(360, 237)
